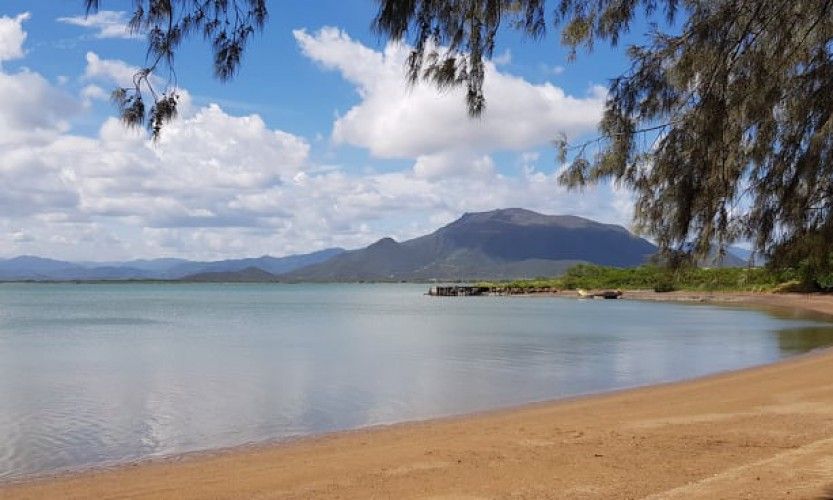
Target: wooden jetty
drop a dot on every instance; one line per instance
(473, 291)
(459, 291)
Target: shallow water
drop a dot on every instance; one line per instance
(101, 374)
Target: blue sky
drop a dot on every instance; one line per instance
(318, 142)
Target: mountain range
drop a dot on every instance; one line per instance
(501, 244)
(509, 243)
(40, 269)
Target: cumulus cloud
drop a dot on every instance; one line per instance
(110, 70)
(189, 178)
(393, 120)
(62, 194)
(105, 23)
(12, 37)
(453, 163)
(220, 185)
(32, 109)
(92, 93)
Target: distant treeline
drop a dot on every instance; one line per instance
(662, 279)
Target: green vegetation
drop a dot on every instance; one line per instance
(662, 279)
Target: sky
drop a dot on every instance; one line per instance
(318, 141)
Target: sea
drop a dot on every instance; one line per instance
(95, 375)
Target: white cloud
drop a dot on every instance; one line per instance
(78, 197)
(190, 177)
(453, 164)
(109, 70)
(106, 24)
(12, 37)
(31, 108)
(395, 121)
(217, 185)
(553, 70)
(92, 93)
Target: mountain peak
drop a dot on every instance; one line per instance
(524, 217)
(384, 243)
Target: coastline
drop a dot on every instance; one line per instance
(764, 432)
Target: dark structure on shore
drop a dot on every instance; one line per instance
(472, 291)
(459, 291)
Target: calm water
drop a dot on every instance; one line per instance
(100, 374)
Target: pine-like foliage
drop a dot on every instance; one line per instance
(226, 24)
(722, 126)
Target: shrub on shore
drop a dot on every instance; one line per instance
(662, 279)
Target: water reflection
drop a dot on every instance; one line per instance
(802, 340)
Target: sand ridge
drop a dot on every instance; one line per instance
(759, 433)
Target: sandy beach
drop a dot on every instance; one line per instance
(765, 432)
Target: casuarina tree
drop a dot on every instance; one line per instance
(721, 126)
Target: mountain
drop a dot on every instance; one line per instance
(27, 267)
(732, 257)
(729, 259)
(272, 265)
(153, 266)
(30, 267)
(39, 269)
(247, 275)
(501, 244)
(745, 256)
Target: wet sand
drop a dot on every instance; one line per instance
(764, 432)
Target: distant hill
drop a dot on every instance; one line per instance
(247, 275)
(501, 244)
(39, 269)
(732, 257)
(30, 267)
(273, 265)
(745, 255)
(27, 267)
(729, 259)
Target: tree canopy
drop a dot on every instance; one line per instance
(721, 126)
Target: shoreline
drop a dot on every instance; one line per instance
(766, 430)
(815, 305)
